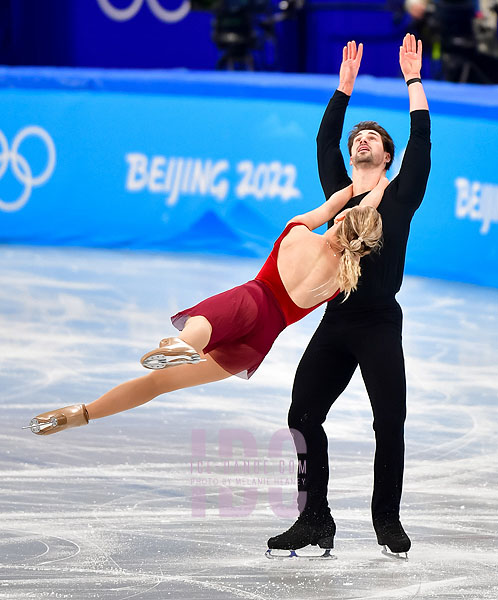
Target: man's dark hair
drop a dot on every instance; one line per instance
(387, 140)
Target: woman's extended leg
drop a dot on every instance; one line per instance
(128, 395)
(139, 391)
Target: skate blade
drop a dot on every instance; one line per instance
(275, 554)
(37, 427)
(396, 555)
(160, 361)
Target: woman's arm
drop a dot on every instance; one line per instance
(374, 197)
(321, 215)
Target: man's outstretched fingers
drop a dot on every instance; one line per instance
(411, 43)
(360, 52)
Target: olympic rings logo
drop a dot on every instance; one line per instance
(20, 166)
(163, 14)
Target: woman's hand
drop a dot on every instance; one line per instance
(383, 182)
(374, 197)
(341, 215)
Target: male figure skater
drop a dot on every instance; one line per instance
(365, 330)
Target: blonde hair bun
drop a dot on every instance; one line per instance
(355, 245)
(359, 234)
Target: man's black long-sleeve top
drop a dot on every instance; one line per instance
(382, 273)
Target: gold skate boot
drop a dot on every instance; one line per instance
(59, 419)
(171, 352)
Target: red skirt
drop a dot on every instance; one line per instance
(246, 320)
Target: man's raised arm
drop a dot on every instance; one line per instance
(351, 60)
(412, 179)
(331, 168)
(410, 61)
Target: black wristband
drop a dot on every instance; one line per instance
(414, 80)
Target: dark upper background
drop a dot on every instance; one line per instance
(460, 35)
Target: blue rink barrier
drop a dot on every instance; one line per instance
(218, 162)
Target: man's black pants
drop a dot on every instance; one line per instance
(370, 338)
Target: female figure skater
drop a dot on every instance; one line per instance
(231, 333)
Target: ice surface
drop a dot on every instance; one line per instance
(106, 511)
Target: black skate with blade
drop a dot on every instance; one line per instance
(311, 528)
(392, 536)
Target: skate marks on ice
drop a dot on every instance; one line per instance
(105, 511)
(192, 571)
(100, 575)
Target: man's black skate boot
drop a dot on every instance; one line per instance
(315, 528)
(390, 533)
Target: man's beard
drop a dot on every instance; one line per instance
(365, 158)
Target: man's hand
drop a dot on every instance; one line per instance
(410, 57)
(351, 59)
(410, 61)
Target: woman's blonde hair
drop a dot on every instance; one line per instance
(358, 234)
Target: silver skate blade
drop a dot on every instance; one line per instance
(270, 553)
(289, 554)
(396, 555)
(160, 361)
(36, 426)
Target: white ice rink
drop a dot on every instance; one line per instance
(105, 511)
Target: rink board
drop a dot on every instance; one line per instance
(218, 162)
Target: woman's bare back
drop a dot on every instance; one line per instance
(307, 266)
